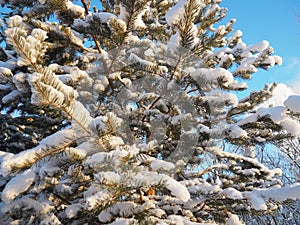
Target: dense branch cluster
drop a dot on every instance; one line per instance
(128, 114)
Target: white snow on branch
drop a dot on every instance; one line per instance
(179, 220)
(162, 165)
(18, 185)
(176, 12)
(278, 115)
(259, 47)
(291, 126)
(236, 132)
(28, 157)
(76, 9)
(293, 103)
(177, 189)
(233, 220)
(258, 197)
(232, 193)
(12, 96)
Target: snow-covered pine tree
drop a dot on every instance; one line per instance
(23, 124)
(149, 89)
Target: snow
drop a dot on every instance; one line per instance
(279, 95)
(179, 220)
(124, 209)
(123, 13)
(5, 71)
(174, 41)
(75, 8)
(258, 197)
(5, 156)
(50, 220)
(252, 118)
(256, 201)
(233, 220)
(37, 207)
(12, 96)
(176, 12)
(39, 34)
(29, 156)
(237, 34)
(177, 189)
(138, 22)
(108, 177)
(205, 188)
(232, 193)
(123, 222)
(278, 59)
(291, 126)
(162, 165)
(204, 76)
(293, 103)
(15, 21)
(259, 47)
(236, 132)
(97, 199)
(18, 185)
(104, 16)
(276, 113)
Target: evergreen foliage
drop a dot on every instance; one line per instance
(128, 114)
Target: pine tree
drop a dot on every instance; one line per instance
(143, 94)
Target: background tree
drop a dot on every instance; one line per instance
(147, 91)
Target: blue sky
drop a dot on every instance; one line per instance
(277, 21)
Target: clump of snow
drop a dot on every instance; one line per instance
(50, 219)
(5, 71)
(104, 16)
(72, 210)
(259, 47)
(78, 10)
(249, 119)
(124, 209)
(97, 199)
(15, 21)
(176, 12)
(18, 185)
(293, 103)
(180, 220)
(208, 78)
(258, 197)
(257, 202)
(10, 97)
(39, 34)
(123, 222)
(233, 220)
(162, 165)
(236, 132)
(279, 95)
(177, 189)
(276, 114)
(291, 126)
(29, 156)
(232, 193)
(205, 188)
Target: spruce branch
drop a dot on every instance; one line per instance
(86, 8)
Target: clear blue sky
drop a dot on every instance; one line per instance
(277, 21)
